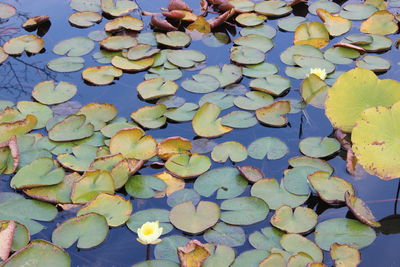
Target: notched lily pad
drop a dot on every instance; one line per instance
(301, 220)
(360, 210)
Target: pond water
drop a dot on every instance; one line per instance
(20, 74)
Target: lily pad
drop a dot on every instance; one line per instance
(30, 43)
(250, 258)
(84, 19)
(374, 63)
(90, 185)
(222, 256)
(175, 39)
(183, 195)
(98, 114)
(357, 11)
(132, 65)
(257, 41)
(73, 127)
(301, 220)
(168, 248)
(232, 150)
(267, 239)
(42, 112)
(20, 236)
(274, 85)
(141, 51)
(239, 119)
(344, 255)
(303, 50)
(343, 231)
(343, 109)
(150, 116)
(263, 29)
(226, 75)
(66, 64)
(276, 195)
(117, 43)
(273, 115)
(74, 47)
(118, 8)
(124, 23)
(295, 243)
(318, 147)
(271, 147)
(311, 33)
(291, 23)
(156, 88)
(185, 166)
(380, 22)
(173, 145)
(244, 210)
(140, 217)
(246, 55)
(341, 55)
(185, 58)
(329, 6)
(253, 100)
(101, 75)
(335, 24)
(194, 220)
(201, 83)
(206, 122)
(360, 210)
(221, 99)
(225, 234)
(7, 10)
(115, 209)
(49, 93)
(250, 19)
(273, 8)
(144, 186)
(161, 72)
(227, 182)
(330, 189)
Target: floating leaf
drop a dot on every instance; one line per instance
(156, 88)
(244, 210)
(144, 186)
(270, 147)
(329, 6)
(185, 112)
(194, 220)
(141, 51)
(167, 249)
(74, 47)
(221, 99)
(174, 39)
(73, 127)
(246, 55)
(341, 55)
(295, 243)
(227, 182)
(267, 239)
(225, 234)
(118, 8)
(205, 122)
(84, 19)
(291, 23)
(263, 29)
(374, 63)
(335, 25)
(117, 43)
(295, 180)
(257, 41)
(239, 119)
(360, 210)
(250, 258)
(343, 108)
(222, 256)
(9, 156)
(185, 58)
(20, 236)
(98, 114)
(173, 145)
(201, 83)
(7, 10)
(15, 207)
(87, 230)
(381, 22)
(87, 5)
(151, 117)
(311, 33)
(132, 143)
(41, 112)
(172, 75)
(253, 100)
(185, 166)
(301, 220)
(173, 184)
(344, 255)
(41, 253)
(48, 93)
(156, 263)
(275, 195)
(132, 65)
(272, 115)
(42, 171)
(101, 75)
(319, 147)
(250, 19)
(274, 85)
(90, 185)
(194, 253)
(301, 50)
(273, 8)
(343, 231)
(357, 11)
(149, 215)
(183, 195)
(114, 208)
(30, 43)
(66, 64)
(235, 151)
(274, 259)
(330, 189)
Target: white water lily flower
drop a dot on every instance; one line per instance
(149, 233)
(321, 73)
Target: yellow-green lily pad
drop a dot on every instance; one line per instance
(84, 19)
(151, 117)
(156, 88)
(49, 93)
(30, 43)
(273, 115)
(73, 127)
(101, 75)
(188, 166)
(344, 255)
(118, 8)
(232, 150)
(301, 220)
(206, 122)
(360, 210)
(381, 22)
(90, 185)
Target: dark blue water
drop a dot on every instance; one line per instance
(19, 75)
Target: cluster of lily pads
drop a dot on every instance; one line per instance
(82, 158)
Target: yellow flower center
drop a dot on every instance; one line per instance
(148, 230)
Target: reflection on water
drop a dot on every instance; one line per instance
(18, 75)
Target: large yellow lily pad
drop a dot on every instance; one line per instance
(375, 141)
(355, 91)
(381, 22)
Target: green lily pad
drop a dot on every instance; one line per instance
(295, 243)
(357, 11)
(244, 210)
(105, 56)
(144, 186)
(113, 127)
(87, 230)
(97, 35)
(39, 253)
(239, 119)
(151, 117)
(74, 47)
(253, 100)
(101, 75)
(48, 93)
(156, 88)
(360, 210)
(117, 43)
(263, 29)
(246, 55)
(343, 109)
(201, 83)
(30, 43)
(267, 239)
(336, 25)
(15, 207)
(250, 258)
(273, 8)
(221, 99)
(274, 85)
(301, 220)
(270, 147)
(319, 147)
(314, 91)
(260, 70)
(156, 263)
(161, 72)
(84, 19)
(42, 112)
(304, 161)
(222, 256)
(257, 41)
(73, 127)
(295, 180)
(188, 166)
(87, 5)
(174, 39)
(141, 51)
(225, 234)
(291, 23)
(227, 182)
(344, 255)
(185, 112)
(250, 19)
(59, 193)
(132, 143)
(311, 33)
(302, 50)
(343, 231)
(132, 65)
(138, 218)
(232, 150)
(114, 208)
(379, 43)
(185, 58)
(329, 6)
(226, 75)
(90, 185)
(118, 8)
(276, 195)
(66, 64)
(168, 248)
(330, 189)
(82, 156)
(341, 55)
(190, 219)
(183, 195)
(20, 237)
(273, 115)
(205, 122)
(374, 63)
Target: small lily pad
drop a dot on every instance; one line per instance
(239, 119)
(244, 210)
(73, 127)
(311, 33)
(273, 8)
(318, 147)
(295, 243)
(74, 47)
(253, 100)
(232, 150)
(66, 64)
(360, 210)
(222, 256)
(381, 22)
(118, 8)
(206, 122)
(357, 11)
(156, 88)
(374, 63)
(226, 75)
(84, 19)
(124, 23)
(301, 220)
(185, 58)
(101, 75)
(167, 249)
(49, 93)
(344, 255)
(271, 147)
(273, 115)
(151, 117)
(267, 239)
(225, 234)
(246, 55)
(140, 217)
(250, 19)
(117, 43)
(201, 83)
(250, 258)
(144, 186)
(291, 23)
(183, 195)
(257, 41)
(185, 166)
(274, 85)
(30, 43)
(175, 39)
